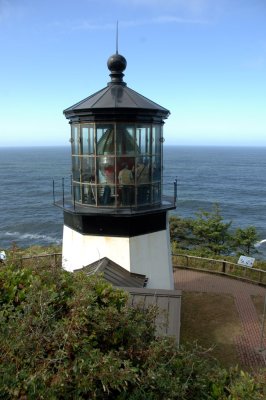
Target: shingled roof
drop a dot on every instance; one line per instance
(114, 273)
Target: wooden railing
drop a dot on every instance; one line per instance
(53, 260)
(211, 265)
(222, 267)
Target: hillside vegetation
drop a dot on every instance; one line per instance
(207, 234)
(70, 336)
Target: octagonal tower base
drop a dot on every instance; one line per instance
(139, 243)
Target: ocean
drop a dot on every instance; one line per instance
(233, 177)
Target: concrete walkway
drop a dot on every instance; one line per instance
(248, 343)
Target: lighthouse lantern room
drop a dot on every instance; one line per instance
(117, 209)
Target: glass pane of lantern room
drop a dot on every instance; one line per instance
(142, 170)
(77, 193)
(105, 139)
(127, 163)
(75, 139)
(143, 139)
(125, 179)
(88, 169)
(105, 170)
(156, 168)
(156, 139)
(125, 139)
(75, 168)
(87, 139)
(157, 153)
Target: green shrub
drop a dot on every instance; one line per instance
(70, 336)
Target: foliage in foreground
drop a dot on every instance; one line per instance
(69, 336)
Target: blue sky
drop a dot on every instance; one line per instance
(204, 60)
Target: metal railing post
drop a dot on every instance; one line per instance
(63, 190)
(175, 191)
(53, 192)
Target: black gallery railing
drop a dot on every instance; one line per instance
(66, 193)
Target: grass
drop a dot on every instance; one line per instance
(212, 320)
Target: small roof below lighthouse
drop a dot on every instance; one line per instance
(116, 95)
(114, 273)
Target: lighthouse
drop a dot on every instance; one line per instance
(117, 209)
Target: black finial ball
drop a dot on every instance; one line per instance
(117, 63)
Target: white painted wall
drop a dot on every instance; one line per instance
(147, 254)
(150, 255)
(80, 250)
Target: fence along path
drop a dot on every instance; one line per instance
(227, 268)
(42, 260)
(252, 275)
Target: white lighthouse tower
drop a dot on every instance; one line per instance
(117, 209)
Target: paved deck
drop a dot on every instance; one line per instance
(248, 343)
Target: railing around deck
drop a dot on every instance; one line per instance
(53, 260)
(253, 275)
(222, 267)
(65, 196)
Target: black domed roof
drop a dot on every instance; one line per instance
(116, 101)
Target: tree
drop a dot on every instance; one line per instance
(211, 232)
(181, 232)
(244, 240)
(208, 235)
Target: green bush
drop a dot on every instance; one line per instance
(69, 336)
(208, 235)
